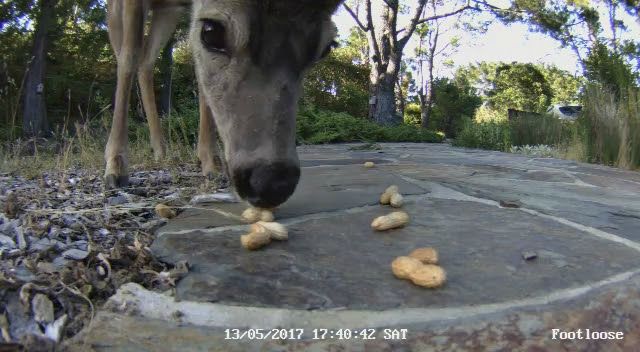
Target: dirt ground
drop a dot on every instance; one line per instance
(66, 245)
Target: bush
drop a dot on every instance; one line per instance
(322, 126)
(520, 86)
(314, 126)
(412, 114)
(453, 103)
(487, 114)
(337, 83)
(488, 135)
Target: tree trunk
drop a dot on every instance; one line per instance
(400, 97)
(448, 130)
(426, 103)
(382, 98)
(385, 53)
(373, 89)
(425, 112)
(384, 109)
(34, 120)
(166, 68)
(384, 70)
(382, 101)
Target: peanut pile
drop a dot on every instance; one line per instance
(262, 233)
(420, 267)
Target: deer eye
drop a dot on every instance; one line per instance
(213, 36)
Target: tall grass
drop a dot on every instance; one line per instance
(10, 98)
(539, 130)
(486, 135)
(83, 146)
(607, 131)
(609, 127)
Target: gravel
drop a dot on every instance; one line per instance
(66, 245)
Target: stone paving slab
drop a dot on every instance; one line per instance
(340, 262)
(610, 206)
(321, 189)
(581, 220)
(141, 321)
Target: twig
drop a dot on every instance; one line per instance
(124, 208)
(76, 292)
(355, 17)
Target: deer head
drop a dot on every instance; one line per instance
(250, 59)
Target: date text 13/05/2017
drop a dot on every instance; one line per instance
(316, 334)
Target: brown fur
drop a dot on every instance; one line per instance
(248, 92)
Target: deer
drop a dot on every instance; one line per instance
(250, 57)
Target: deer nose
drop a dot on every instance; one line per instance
(267, 185)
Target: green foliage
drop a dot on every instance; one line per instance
(315, 126)
(453, 104)
(539, 130)
(609, 126)
(487, 135)
(79, 62)
(15, 46)
(566, 88)
(482, 77)
(81, 68)
(487, 114)
(608, 131)
(407, 133)
(412, 113)
(338, 84)
(183, 80)
(596, 27)
(356, 47)
(525, 130)
(609, 69)
(180, 127)
(520, 86)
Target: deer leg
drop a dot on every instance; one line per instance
(126, 28)
(163, 24)
(209, 152)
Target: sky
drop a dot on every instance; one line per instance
(515, 43)
(500, 43)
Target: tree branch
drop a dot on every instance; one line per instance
(411, 27)
(417, 20)
(442, 50)
(448, 14)
(355, 17)
(376, 48)
(494, 8)
(387, 2)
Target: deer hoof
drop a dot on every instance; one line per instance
(112, 181)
